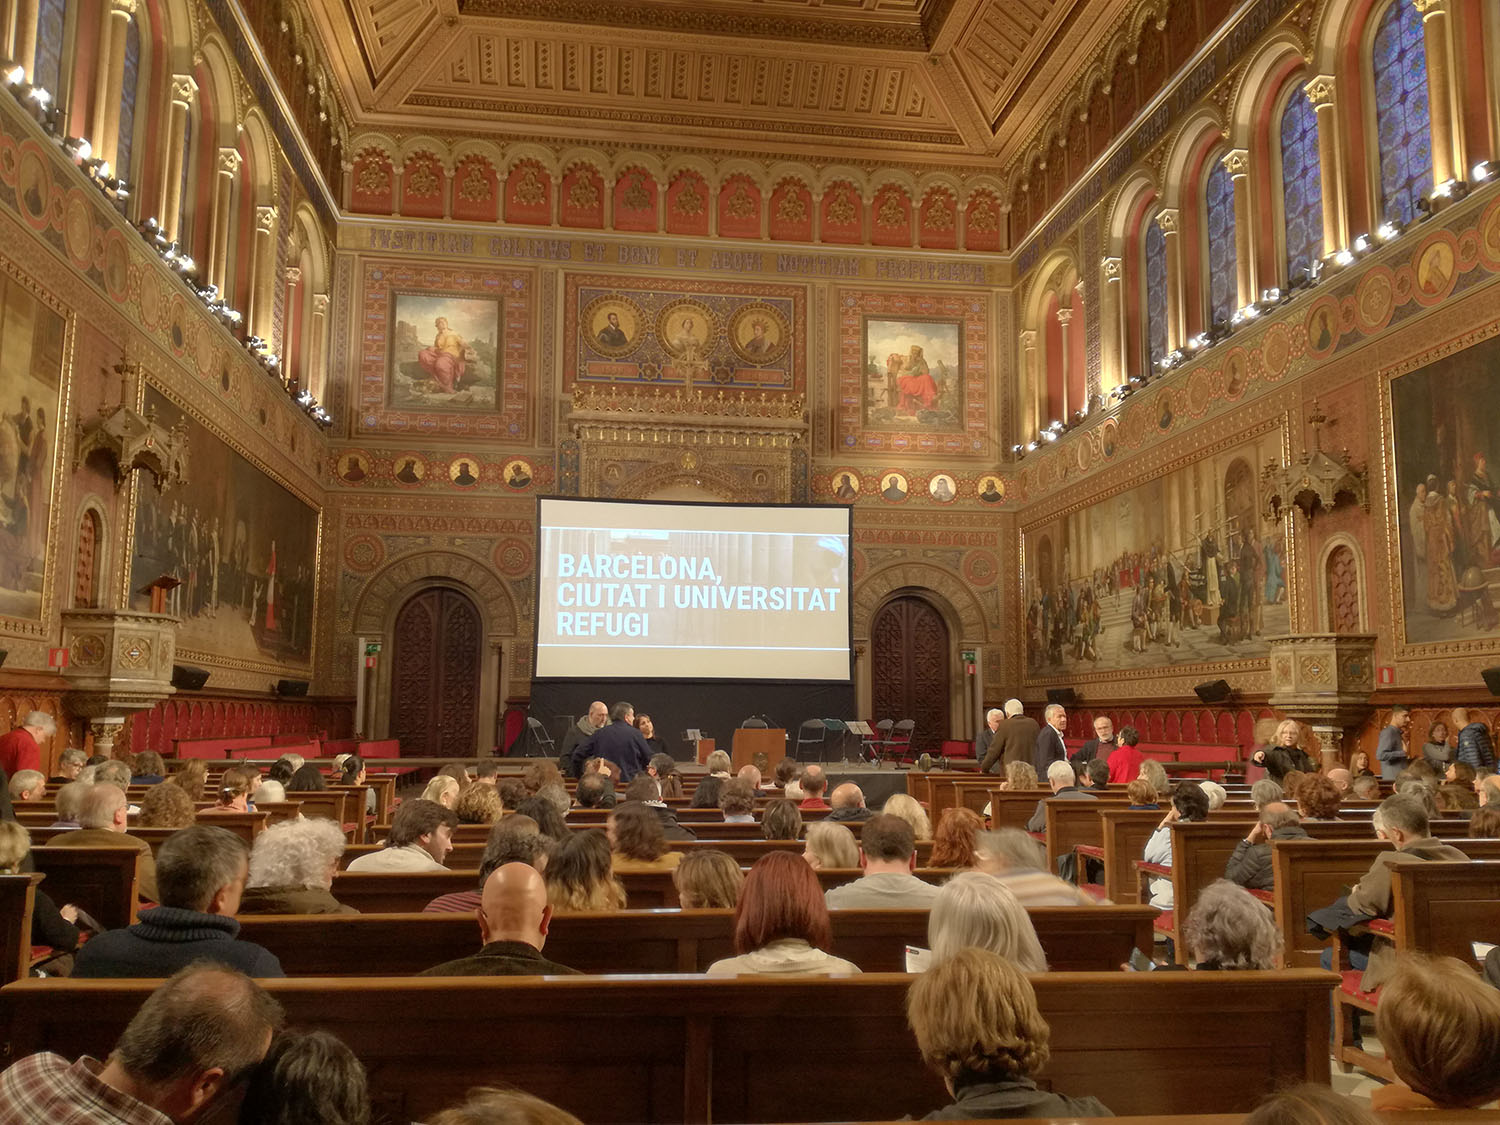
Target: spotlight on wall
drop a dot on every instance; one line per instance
(1362, 244)
(1482, 171)
(1343, 258)
(14, 75)
(1390, 230)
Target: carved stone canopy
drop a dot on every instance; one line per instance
(1315, 480)
(133, 441)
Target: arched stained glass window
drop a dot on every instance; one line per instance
(47, 67)
(1156, 293)
(1402, 121)
(1301, 184)
(127, 101)
(1223, 287)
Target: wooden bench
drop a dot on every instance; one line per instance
(698, 1050)
(1075, 939)
(17, 901)
(100, 880)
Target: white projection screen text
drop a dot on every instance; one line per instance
(692, 591)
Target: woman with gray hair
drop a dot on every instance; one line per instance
(1229, 928)
(443, 790)
(1016, 859)
(291, 869)
(1153, 772)
(974, 910)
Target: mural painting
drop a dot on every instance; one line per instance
(31, 361)
(1181, 569)
(914, 374)
(243, 548)
(684, 335)
(1447, 442)
(443, 353)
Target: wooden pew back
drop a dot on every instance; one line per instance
(99, 880)
(699, 1050)
(1442, 907)
(17, 898)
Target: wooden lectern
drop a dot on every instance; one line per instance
(750, 741)
(158, 589)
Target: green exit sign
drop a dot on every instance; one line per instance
(372, 648)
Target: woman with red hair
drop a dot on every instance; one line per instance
(781, 924)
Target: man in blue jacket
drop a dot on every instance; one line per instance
(1474, 745)
(618, 742)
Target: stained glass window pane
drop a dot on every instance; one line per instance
(1402, 123)
(47, 67)
(1223, 289)
(1156, 293)
(127, 102)
(1301, 184)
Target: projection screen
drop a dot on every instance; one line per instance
(692, 591)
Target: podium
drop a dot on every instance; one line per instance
(750, 741)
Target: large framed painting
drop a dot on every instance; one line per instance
(1445, 429)
(243, 547)
(914, 373)
(1178, 570)
(33, 344)
(443, 353)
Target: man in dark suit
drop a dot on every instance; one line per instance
(1102, 745)
(647, 790)
(1049, 740)
(513, 921)
(1014, 740)
(992, 720)
(619, 742)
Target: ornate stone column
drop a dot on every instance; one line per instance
(1319, 91)
(293, 311)
(23, 36)
(1031, 418)
(1112, 324)
(316, 339)
(119, 662)
(1176, 298)
(169, 198)
(1065, 318)
(1324, 680)
(1237, 164)
(110, 80)
(1447, 160)
(262, 267)
(218, 237)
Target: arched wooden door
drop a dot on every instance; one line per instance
(910, 662)
(435, 669)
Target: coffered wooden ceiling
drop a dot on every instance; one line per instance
(924, 81)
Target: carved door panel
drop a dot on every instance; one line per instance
(435, 670)
(910, 661)
(1343, 591)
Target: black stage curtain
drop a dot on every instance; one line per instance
(715, 707)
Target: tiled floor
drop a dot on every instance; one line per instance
(1358, 1084)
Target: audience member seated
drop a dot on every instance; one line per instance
(644, 790)
(788, 778)
(1019, 776)
(1018, 861)
(953, 842)
(307, 1078)
(1153, 771)
(292, 864)
(909, 809)
(737, 801)
(192, 1045)
(1229, 928)
(555, 793)
(479, 804)
(1061, 779)
(234, 793)
(441, 790)
(69, 764)
(270, 792)
(113, 773)
(147, 768)
(781, 924)
(1440, 1029)
(68, 804)
(281, 770)
(28, 785)
(1093, 775)
(848, 804)
(719, 765)
(1474, 746)
(1250, 865)
(830, 845)
(1125, 760)
(513, 839)
(976, 911)
(1189, 803)
(1309, 1104)
(580, 875)
(637, 840)
(977, 1025)
(514, 917)
(751, 774)
(814, 785)
(1484, 824)
(547, 818)
(1318, 798)
(782, 820)
(50, 925)
(488, 1105)
(706, 796)
(663, 767)
(1342, 780)
(1264, 791)
(201, 874)
(460, 773)
(421, 838)
(1459, 800)
(1365, 787)
(708, 880)
(1403, 821)
(192, 775)
(1359, 764)
(1142, 795)
(595, 791)
(888, 856)
(103, 819)
(1215, 792)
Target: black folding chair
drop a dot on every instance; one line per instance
(539, 743)
(753, 724)
(869, 747)
(898, 741)
(811, 737)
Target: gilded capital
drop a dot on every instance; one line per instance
(122, 7)
(1430, 7)
(1028, 339)
(1114, 269)
(265, 219)
(320, 304)
(1167, 220)
(1319, 90)
(184, 89)
(229, 161)
(294, 275)
(1064, 315)
(1237, 162)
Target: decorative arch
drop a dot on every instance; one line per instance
(948, 591)
(1342, 585)
(98, 578)
(1259, 82)
(388, 590)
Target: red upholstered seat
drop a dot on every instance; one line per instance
(1383, 926)
(1163, 923)
(1349, 985)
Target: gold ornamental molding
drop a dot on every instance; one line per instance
(683, 404)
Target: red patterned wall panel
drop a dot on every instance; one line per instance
(476, 190)
(372, 189)
(891, 217)
(842, 214)
(581, 198)
(528, 194)
(791, 217)
(982, 222)
(424, 186)
(739, 207)
(687, 204)
(635, 199)
(937, 220)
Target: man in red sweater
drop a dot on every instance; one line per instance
(21, 749)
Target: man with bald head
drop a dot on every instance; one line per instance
(513, 921)
(814, 785)
(849, 803)
(1342, 779)
(579, 733)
